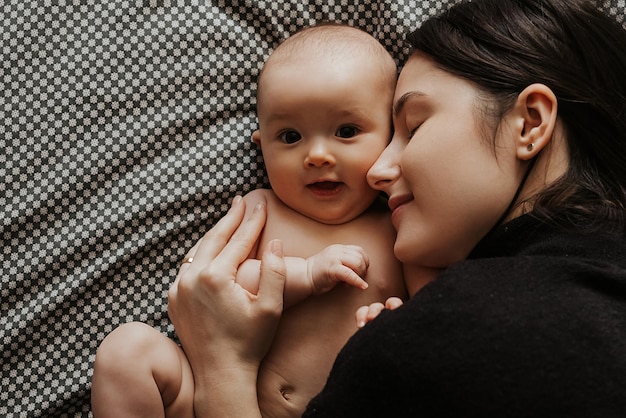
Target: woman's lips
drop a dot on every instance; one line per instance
(325, 188)
(397, 201)
(396, 204)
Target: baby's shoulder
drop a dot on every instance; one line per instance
(257, 195)
(254, 197)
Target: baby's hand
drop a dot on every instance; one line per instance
(337, 263)
(367, 313)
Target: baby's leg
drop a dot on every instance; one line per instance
(140, 372)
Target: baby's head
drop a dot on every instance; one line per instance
(334, 45)
(324, 107)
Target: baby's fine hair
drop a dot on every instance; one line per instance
(335, 41)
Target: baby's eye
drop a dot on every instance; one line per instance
(346, 132)
(290, 137)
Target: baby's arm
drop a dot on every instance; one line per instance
(314, 275)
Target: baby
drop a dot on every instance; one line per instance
(324, 108)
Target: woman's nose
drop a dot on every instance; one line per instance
(319, 155)
(386, 170)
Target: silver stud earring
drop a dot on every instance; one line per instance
(530, 147)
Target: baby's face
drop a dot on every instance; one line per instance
(322, 124)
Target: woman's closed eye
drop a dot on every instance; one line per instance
(413, 131)
(413, 126)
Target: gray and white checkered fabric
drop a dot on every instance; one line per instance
(125, 132)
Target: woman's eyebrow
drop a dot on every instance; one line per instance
(399, 105)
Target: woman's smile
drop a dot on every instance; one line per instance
(396, 204)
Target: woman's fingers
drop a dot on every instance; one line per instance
(207, 265)
(187, 260)
(239, 243)
(212, 243)
(216, 239)
(269, 300)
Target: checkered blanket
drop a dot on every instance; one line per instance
(126, 131)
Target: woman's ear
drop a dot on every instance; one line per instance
(536, 112)
(256, 137)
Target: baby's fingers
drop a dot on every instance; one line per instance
(367, 313)
(349, 277)
(393, 303)
(356, 258)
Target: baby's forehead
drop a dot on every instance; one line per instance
(308, 61)
(311, 74)
(317, 50)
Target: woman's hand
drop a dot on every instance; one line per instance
(225, 330)
(366, 314)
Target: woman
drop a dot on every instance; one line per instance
(508, 164)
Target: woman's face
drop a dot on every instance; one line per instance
(449, 176)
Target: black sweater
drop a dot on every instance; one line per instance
(532, 324)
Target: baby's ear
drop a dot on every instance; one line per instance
(256, 137)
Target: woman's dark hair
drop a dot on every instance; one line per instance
(503, 46)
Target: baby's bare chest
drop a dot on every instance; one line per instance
(303, 237)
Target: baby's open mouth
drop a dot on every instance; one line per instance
(325, 187)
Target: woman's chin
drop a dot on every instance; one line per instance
(403, 252)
